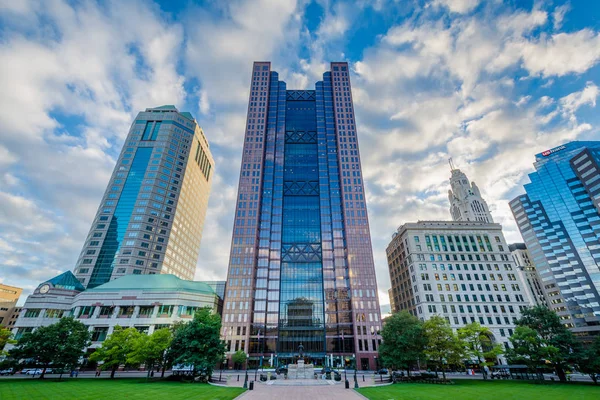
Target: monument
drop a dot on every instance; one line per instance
(301, 370)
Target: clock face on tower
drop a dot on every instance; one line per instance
(45, 288)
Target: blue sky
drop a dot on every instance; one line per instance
(488, 83)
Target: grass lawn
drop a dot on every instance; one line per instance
(111, 389)
(480, 390)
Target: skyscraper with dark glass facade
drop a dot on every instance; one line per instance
(152, 213)
(559, 219)
(301, 267)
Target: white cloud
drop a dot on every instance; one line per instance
(572, 102)
(457, 6)
(558, 15)
(562, 53)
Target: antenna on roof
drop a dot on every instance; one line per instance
(451, 164)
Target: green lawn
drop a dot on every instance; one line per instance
(480, 390)
(111, 389)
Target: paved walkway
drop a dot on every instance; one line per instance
(288, 392)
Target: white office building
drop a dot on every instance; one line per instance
(462, 271)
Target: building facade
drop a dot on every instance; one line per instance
(466, 203)
(9, 296)
(152, 213)
(559, 219)
(147, 303)
(528, 273)
(462, 271)
(301, 268)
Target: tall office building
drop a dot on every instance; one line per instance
(462, 271)
(559, 219)
(301, 267)
(528, 273)
(152, 213)
(466, 203)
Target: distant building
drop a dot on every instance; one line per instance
(151, 216)
(528, 273)
(146, 302)
(466, 203)
(218, 287)
(392, 301)
(9, 296)
(559, 219)
(462, 271)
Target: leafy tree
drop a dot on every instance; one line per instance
(403, 341)
(151, 350)
(589, 363)
(239, 358)
(528, 348)
(198, 342)
(5, 337)
(478, 340)
(116, 348)
(557, 345)
(443, 346)
(61, 344)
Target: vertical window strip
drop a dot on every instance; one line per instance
(197, 151)
(155, 130)
(147, 130)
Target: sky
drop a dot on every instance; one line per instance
(488, 83)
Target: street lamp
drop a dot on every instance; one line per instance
(355, 380)
(246, 377)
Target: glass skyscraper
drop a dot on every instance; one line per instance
(301, 267)
(559, 219)
(152, 213)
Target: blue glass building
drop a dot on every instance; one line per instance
(301, 267)
(152, 213)
(559, 219)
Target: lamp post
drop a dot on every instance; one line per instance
(355, 380)
(246, 377)
(260, 349)
(344, 360)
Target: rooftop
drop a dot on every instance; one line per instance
(171, 107)
(158, 282)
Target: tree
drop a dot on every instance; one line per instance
(562, 347)
(443, 346)
(403, 341)
(116, 348)
(151, 350)
(5, 338)
(589, 363)
(198, 342)
(479, 343)
(528, 348)
(239, 358)
(61, 344)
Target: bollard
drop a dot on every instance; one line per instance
(363, 377)
(238, 378)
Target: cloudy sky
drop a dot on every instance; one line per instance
(486, 82)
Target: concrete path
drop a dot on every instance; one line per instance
(289, 392)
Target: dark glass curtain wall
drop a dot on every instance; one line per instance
(301, 313)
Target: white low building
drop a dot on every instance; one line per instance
(145, 302)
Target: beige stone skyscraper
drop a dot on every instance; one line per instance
(152, 213)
